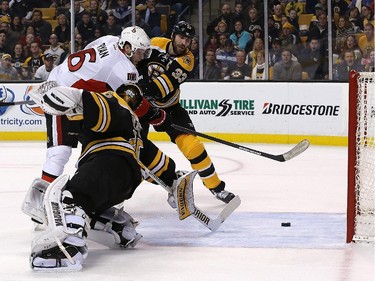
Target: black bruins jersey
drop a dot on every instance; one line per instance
(163, 73)
(109, 125)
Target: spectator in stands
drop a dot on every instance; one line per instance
(211, 68)
(26, 43)
(43, 28)
(258, 71)
(367, 15)
(7, 71)
(139, 21)
(343, 29)
(12, 37)
(4, 48)
(252, 19)
(5, 14)
(35, 60)
(221, 43)
(351, 44)
(78, 10)
(98, 16)
(86, 27)
(319, 9)
(25, 73)
(227, 56)
(255, 32)
(295, 5)
(273, 32)
(366, 43)
(342, 69)
(310, 6)
(194, 48)
(355, 19)
(339, 7)
(54, 49)
(293, 19)
(251, 57)
(122, 12)
(18, 57)
(287, 69)
(62, 30)
(313, 62)
(240, 37)
(79, 43)
(222, 28)
(226, 16)
(43, 71)
(369, 63)
(239, 70)
(277, 13)
(320, 31)
(212, 42)
(275, 51)
(152, 18)
(238, 11)
(111, 27)
(17, 26)
(21, 8)
(288, 39)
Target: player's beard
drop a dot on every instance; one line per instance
(178, 49)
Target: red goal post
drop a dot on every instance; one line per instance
(361, 158)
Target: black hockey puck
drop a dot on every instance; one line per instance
(286, 224)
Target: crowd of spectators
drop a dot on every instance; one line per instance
(31, 43)
(234, 41)
(297, 50)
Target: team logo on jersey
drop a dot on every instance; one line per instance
(187, 60)
(132, 76)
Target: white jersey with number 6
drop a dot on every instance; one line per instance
(99, 65)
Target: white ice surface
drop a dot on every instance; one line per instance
(308, 191)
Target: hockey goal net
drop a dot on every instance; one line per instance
(361, 158)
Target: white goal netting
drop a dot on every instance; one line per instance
(364, 224)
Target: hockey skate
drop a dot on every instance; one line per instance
(221, 194)
(62, 247)
(114, 228)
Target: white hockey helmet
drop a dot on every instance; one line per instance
(137, 38)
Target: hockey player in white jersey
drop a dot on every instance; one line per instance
(103, 65)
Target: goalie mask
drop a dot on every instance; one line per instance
(137, 38)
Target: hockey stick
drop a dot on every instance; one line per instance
(201, 216)
(10, 103)
(295, 151)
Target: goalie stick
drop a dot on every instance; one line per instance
(21, 102)
(295, 151)
(201, 216)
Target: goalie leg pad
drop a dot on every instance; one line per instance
(33, 203)
(183, 192)
(115, 228)
(62, 247)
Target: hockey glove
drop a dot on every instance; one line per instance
(161, 121)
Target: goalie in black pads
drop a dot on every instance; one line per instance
(109, 171)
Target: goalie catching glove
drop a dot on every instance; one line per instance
(57, 100)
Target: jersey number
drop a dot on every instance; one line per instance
(179, 75)
(81, 56)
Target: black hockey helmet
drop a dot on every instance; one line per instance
(184, 28)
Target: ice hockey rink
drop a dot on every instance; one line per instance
(308, 191)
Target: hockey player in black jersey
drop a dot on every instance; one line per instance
(169, 65)
(109, 170)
